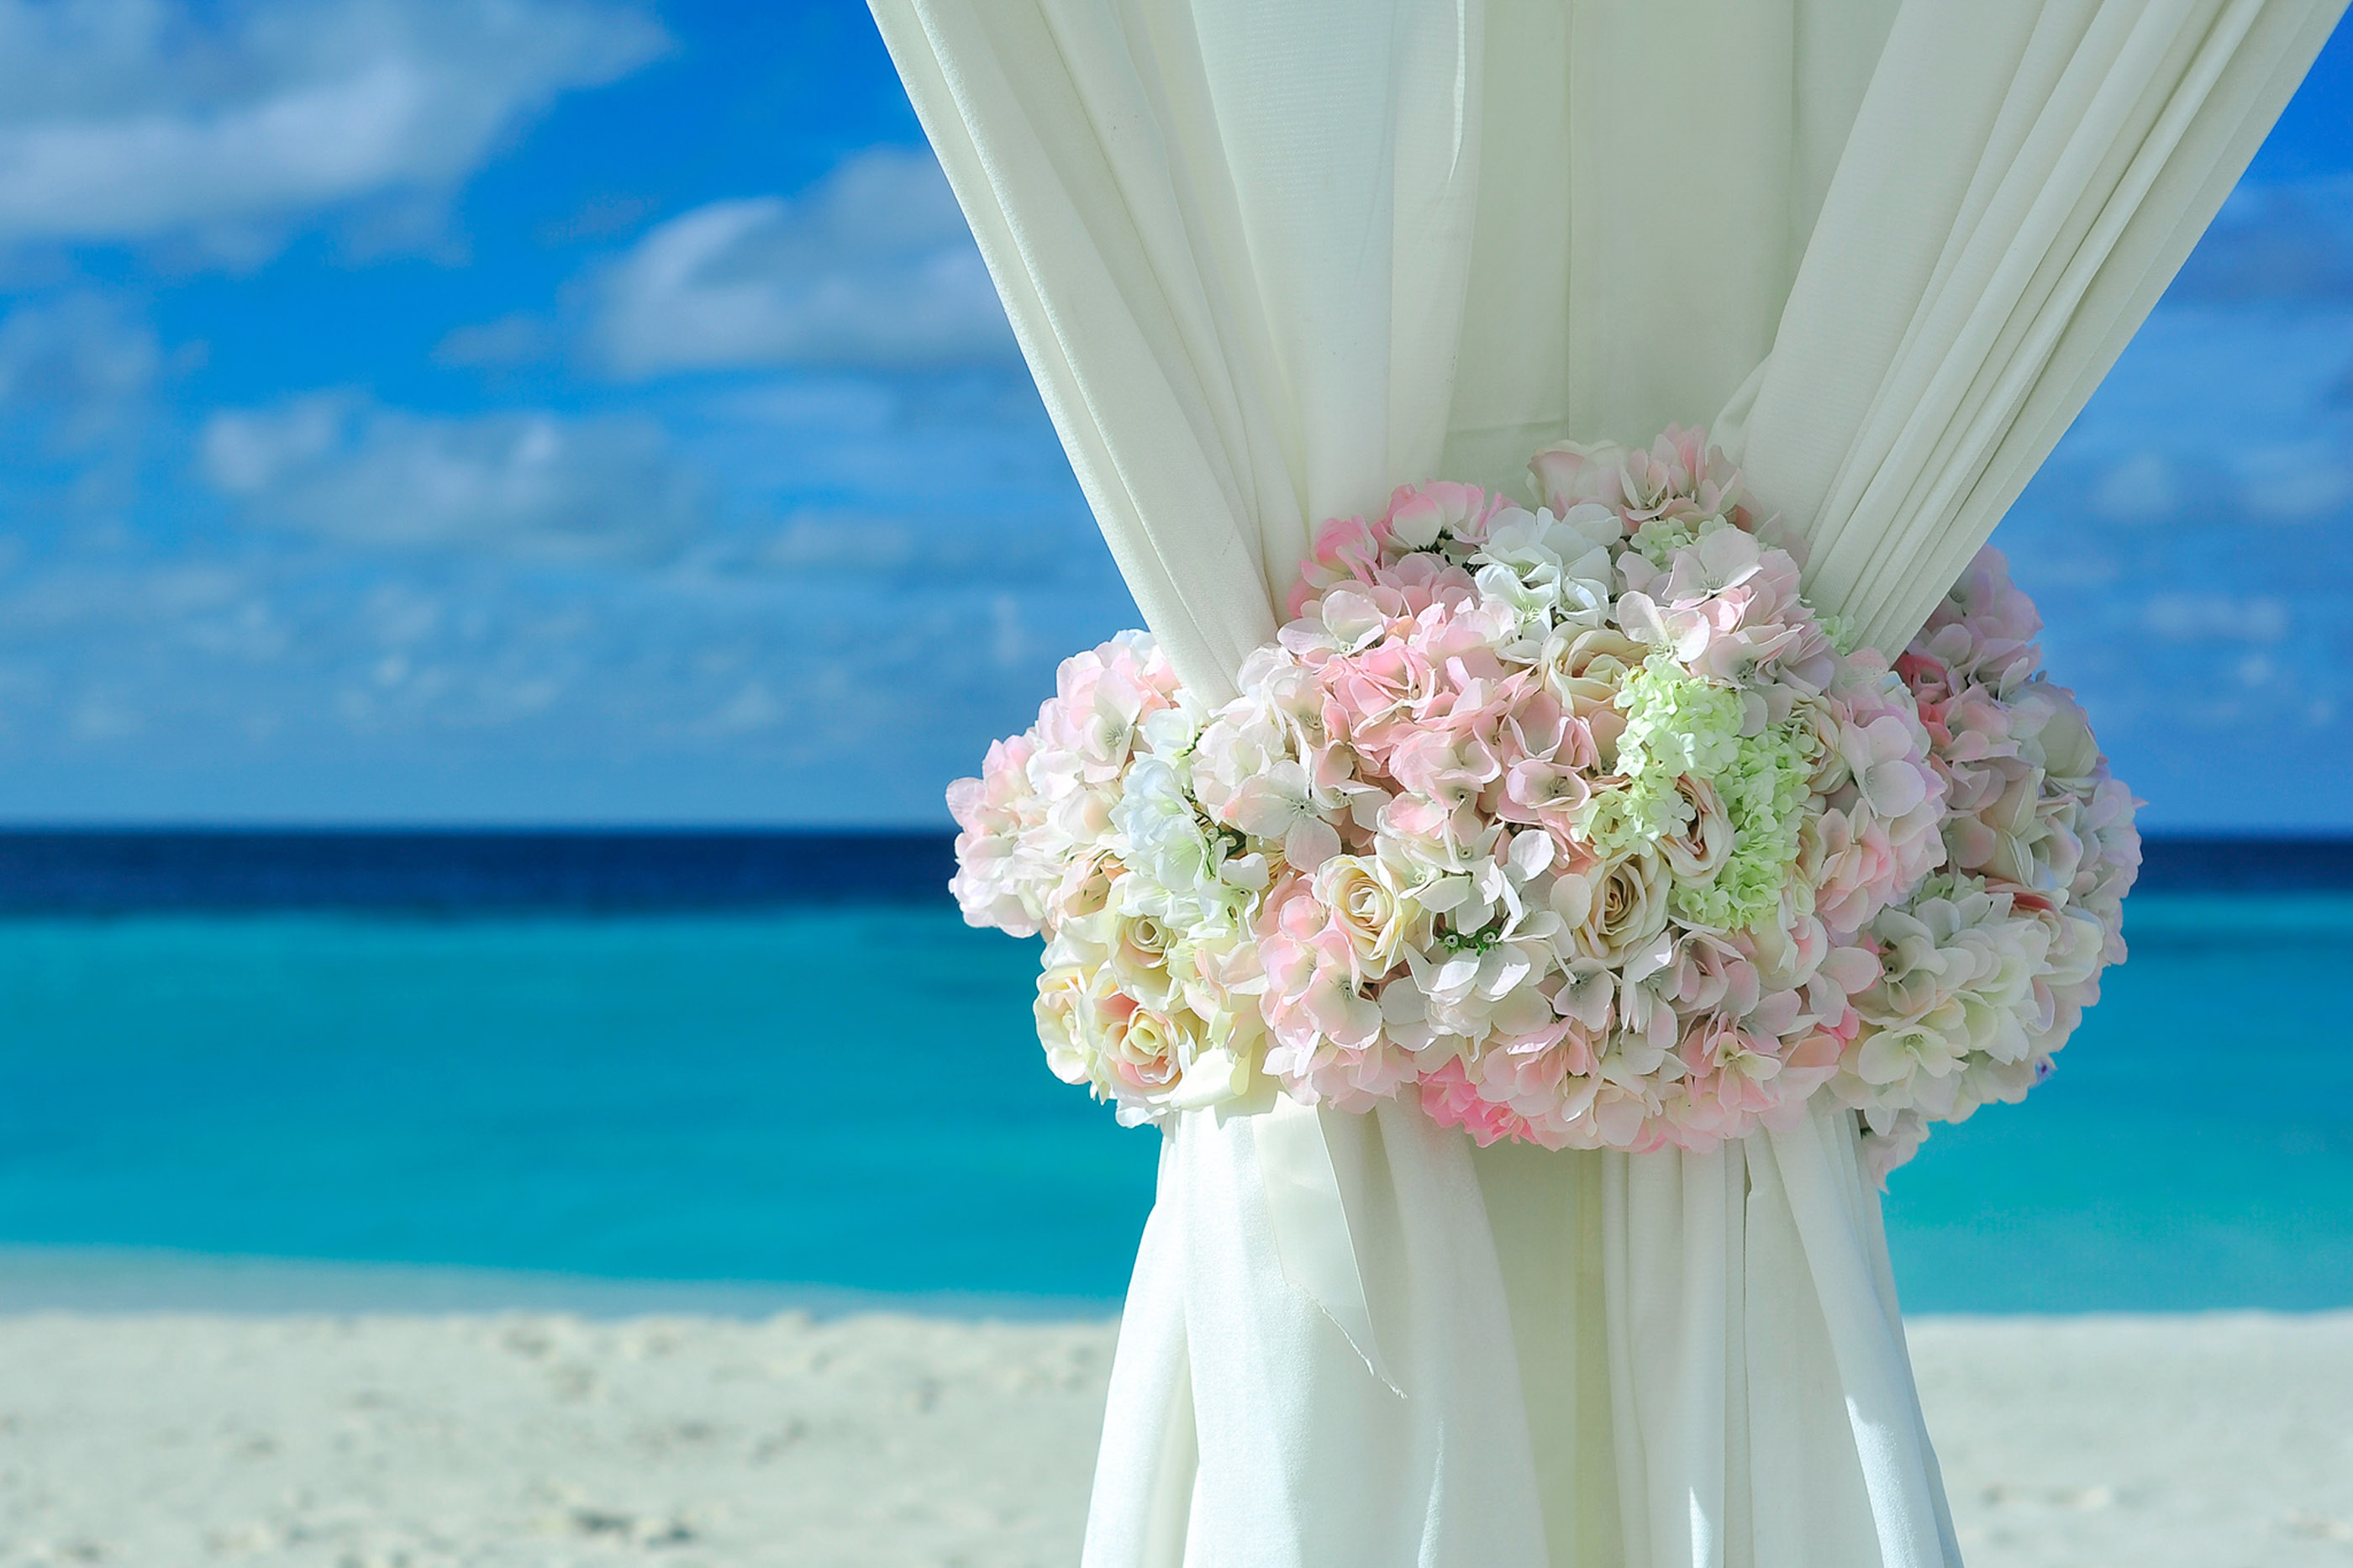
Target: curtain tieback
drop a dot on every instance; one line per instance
(1313, 1236)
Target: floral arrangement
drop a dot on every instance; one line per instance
(1986, 969)
(1577, 823)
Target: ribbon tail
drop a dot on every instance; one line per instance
(1312, 1234)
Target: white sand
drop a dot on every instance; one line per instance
(164, 1440)
(2219, 1441)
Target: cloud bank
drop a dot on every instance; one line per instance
(531, 485)
(871, 268)
(128, 120)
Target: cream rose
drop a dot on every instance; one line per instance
(1700, 848)
(1584, 669)
(1146, 1050)
(1136, 955)
(1616, 908)
(1065, 1008)
(1370, 910)
(1819, 730)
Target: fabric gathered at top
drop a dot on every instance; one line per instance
(1270, 261)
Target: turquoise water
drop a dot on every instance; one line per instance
(845, 1097)
(2194, 1150)
(851, 1098)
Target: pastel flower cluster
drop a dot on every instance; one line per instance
(1085, 829)
(1575, 822)
(1987, 969)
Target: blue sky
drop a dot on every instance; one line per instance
(550, 410)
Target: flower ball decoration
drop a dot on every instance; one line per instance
(1986, 969)
(1578, 824)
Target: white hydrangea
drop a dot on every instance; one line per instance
(1553, 571)
(1957, 985)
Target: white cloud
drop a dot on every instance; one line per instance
(872, 268)
(127, 120)
(2298, 481)
(75, 365)
(121, 594)
(103, 716)
(2279, 245)
(2216, 617)
(2142, 488)
(515, 339)
(531, 485)
(751, 709)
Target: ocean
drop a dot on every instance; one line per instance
(768, 1067)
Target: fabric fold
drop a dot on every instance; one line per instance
(1304, 1458)
(2021, 181)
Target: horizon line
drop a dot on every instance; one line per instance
(455, 828)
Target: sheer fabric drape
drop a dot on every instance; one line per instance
(1268, 260)
(2023, 180)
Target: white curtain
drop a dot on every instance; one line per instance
(1268, 259)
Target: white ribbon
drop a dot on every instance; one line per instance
(1313, 1234)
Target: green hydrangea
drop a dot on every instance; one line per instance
(1841, 633)
(1676, 724)
(1763, 792)
(1659, 538)
(1679, 723)
(1613, 823)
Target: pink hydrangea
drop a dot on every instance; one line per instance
(1325, 1039)
(1878, 835)
(997, 882)
(1043, 798)
(1677, 476)
(1527, 1097)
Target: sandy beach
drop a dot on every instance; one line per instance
(417, 1440)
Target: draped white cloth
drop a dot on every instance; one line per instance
(1268, 258)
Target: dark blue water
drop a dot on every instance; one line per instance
(461, 873)
(473, 872)
(544, 1053)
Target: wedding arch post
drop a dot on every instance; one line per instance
(1269, 259)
